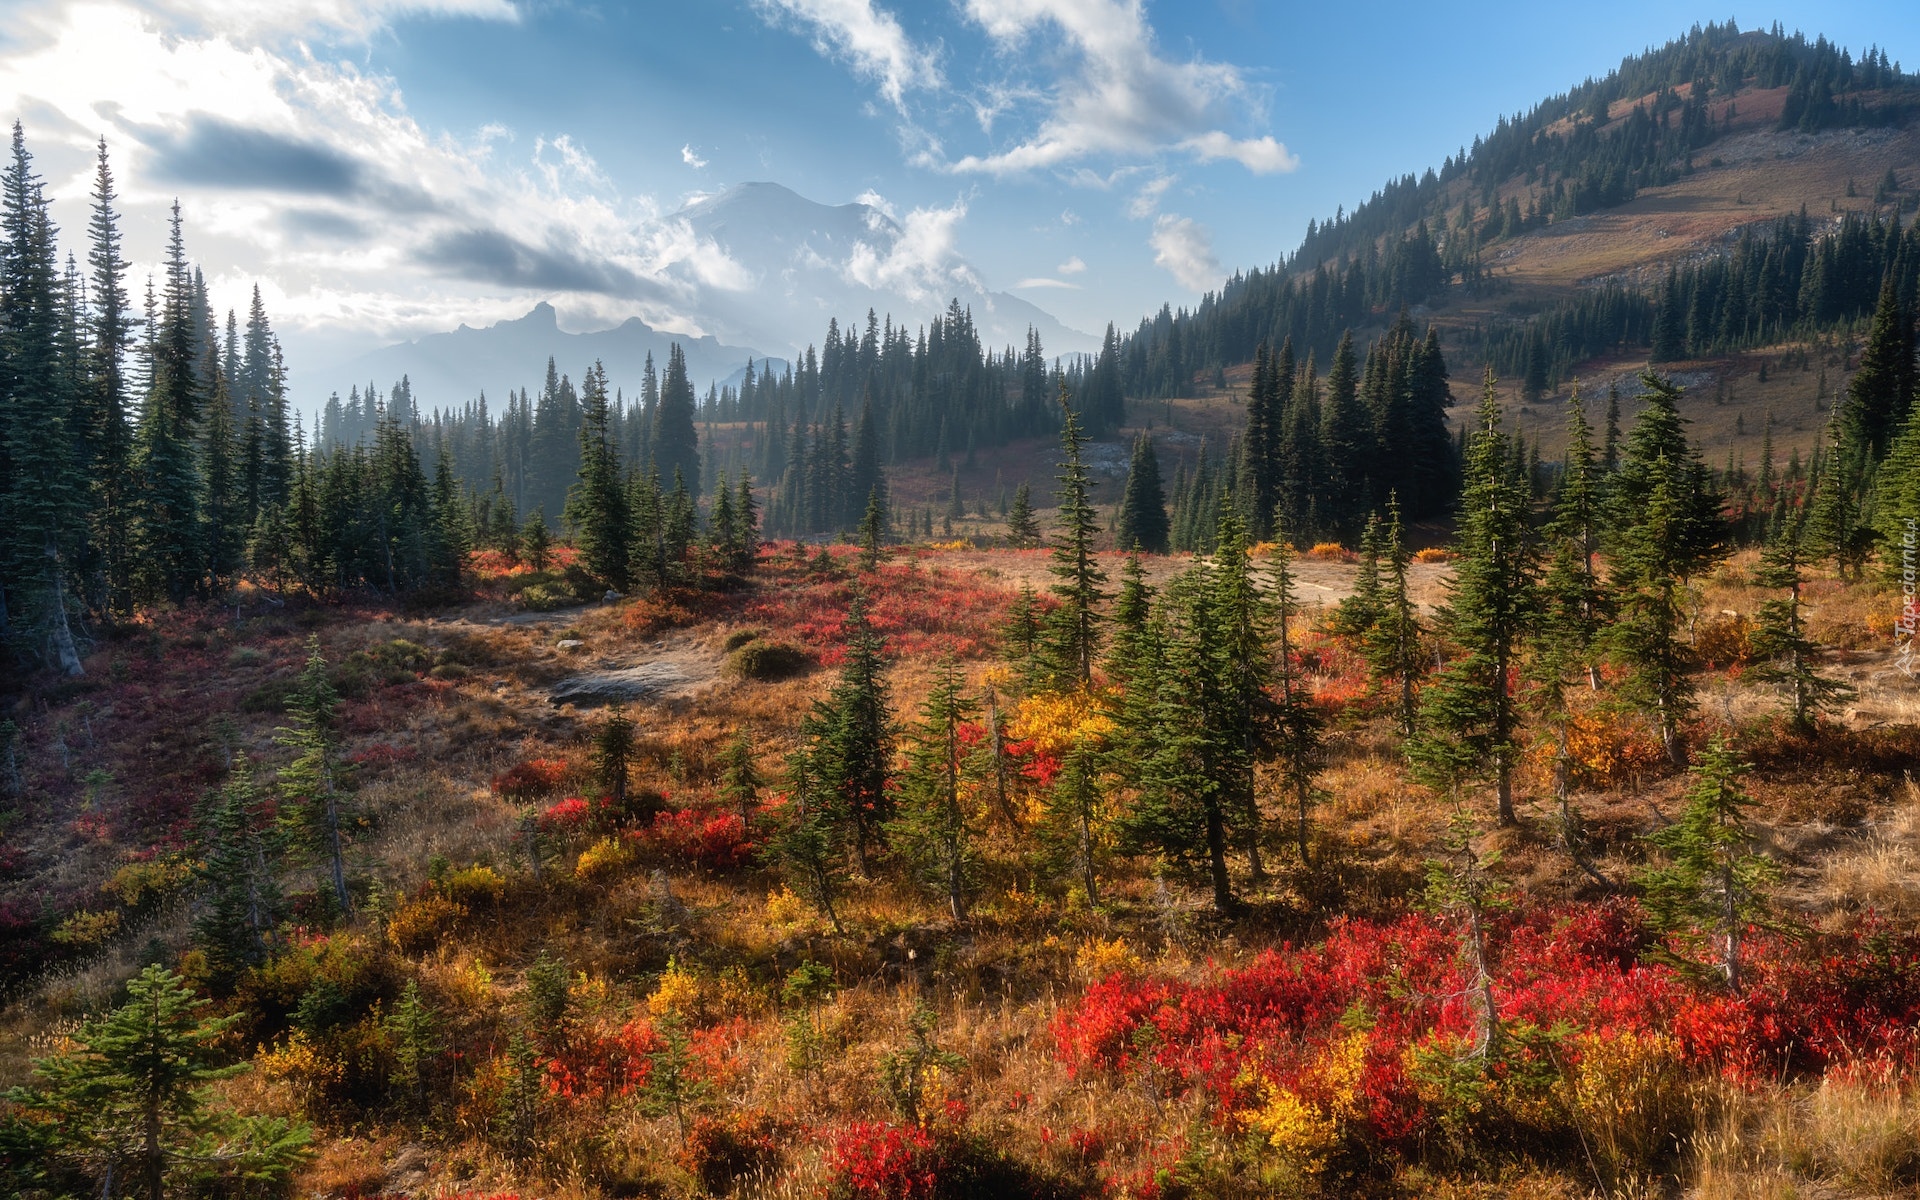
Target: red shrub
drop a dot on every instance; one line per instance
(716, 839)
(596, 1064)
(568, 816)
(871, 1160)
(531, 780)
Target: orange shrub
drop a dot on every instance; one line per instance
(418, 925)
(1433, 554)
(1330, 552)
(1722, 639)
(1608, 749)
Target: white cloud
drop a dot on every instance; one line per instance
(354, 18)
(1146, 201)
(1124, 99)
(1043, 282)
(1073, 266)
(693, 160)
(870, 39)
(1185, 249)
(878, 203)
(922, 263)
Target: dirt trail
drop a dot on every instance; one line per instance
(1315, 581)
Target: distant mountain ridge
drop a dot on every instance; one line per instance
(446, 370)
(793, 264)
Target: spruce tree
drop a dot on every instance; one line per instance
(1143, 507)
(1023, 528)
(1715, 883)
(311, 783)
(128, 1101)
(41, 490)
(239, 853)
(852, 736)
(167, 527)
(933, 829)
(1297, 724)
(1881, 392)
(805, 840)
(676, 444)
(873, 533)
(108, 431)
(413, 1031)
(597, 506)
(224, 520)
(1469, 714)
(613, 754)
(1073, 629)
(1392, 647)
(1359, 611)
(1779, 641)
(740, 779)
(1075, 811)
(1248, 724)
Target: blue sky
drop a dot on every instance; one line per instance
(385, 168)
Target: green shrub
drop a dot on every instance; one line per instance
(768, 662)
(741, 637)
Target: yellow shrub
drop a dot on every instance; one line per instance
(469, 983)
(1433, 554)
(474, 884)
(1631, 1097)
(605, 855)
(88, 928)
(1099, 958)
(1722, 640)
(299, 1062)
(1056, 721)
(1302, 1134)
(156, 879)
(1329, 552)
(678, 992)
(419, 924)
(955, 544)
(786, 908)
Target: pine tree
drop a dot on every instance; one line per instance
(1392, 647)
(934, 829)
(1143, 507)
(676, 444)
(597, 506)
(740, 779)
(1296, 722)
(413, 1032)
(873, 532)
(1073, 629)
(239, 853)
(129, 1101)
(1779, 638)
(536, 545)
(311, 783)
(1836, 524)
(1715, 882)
(1359, 611)
(613, 754)
(1023, 528)
(1346, 439)
(805, 841)
(108, 431)
(1248, 724)
(1663, 526)
(852, 735)
(1881, 392)
(167, 527)
(1022, 634)
(1469, 715)
(224, 520)
(41, 491)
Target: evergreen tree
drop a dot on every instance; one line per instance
(1392, 647)
(1248, 722)
(805, 841)
(224, 520)
(1074, 808)
(1346, 439)
(597, 507)
(413, 1032)
(933, 829)
(311, 783)
(1073, 629)
(241, 888)
(1836, 521)
(1022, 634)
(1779, 638)
(1143, 508)
(167, 527)
(873, 530)
(613, 754)
(1296, 722)
(851, 732)
(1881, 392)
(676, 444)
(1023, 528)
(41, 490)
(1469, 716)
(1715, 882)
(109, 435)
(536, 546)
(740, 779)
(1359, 611)
(128, 1101)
